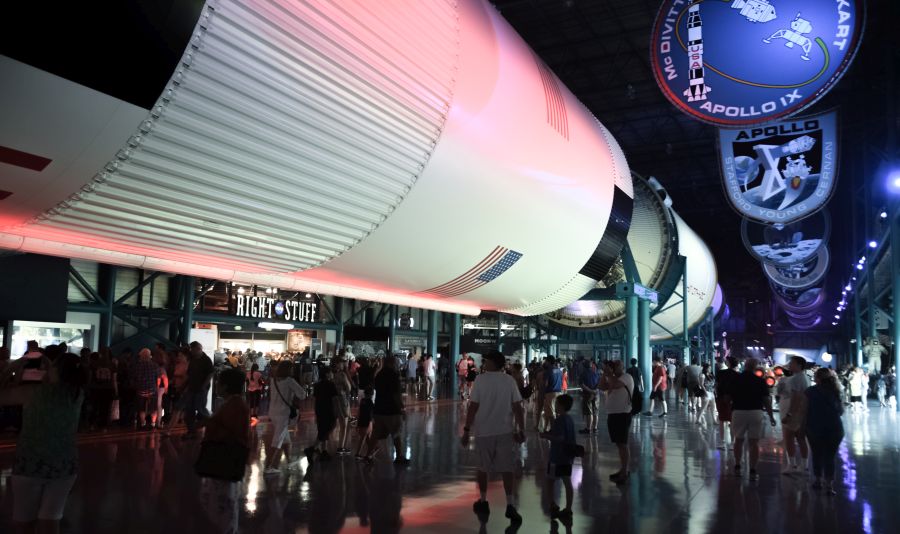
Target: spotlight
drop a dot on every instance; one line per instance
(859, 266)
(834, 323)
(853, 279)
(241, 291)
(873, 244)
(883, 214)
(838, 317)
(769, 325)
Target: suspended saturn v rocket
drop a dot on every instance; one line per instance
(407, 152)
(697, 88)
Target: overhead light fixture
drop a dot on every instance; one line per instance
(238, 327)
(276, 326)
(847, 287)
(241, 291)
(838, 317)
(268, 291)
(883, 214)
(873, 244)
(309, 295)
(859, 266)
(769, 325)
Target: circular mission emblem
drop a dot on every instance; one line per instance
(742, 62)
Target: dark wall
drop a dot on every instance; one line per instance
(33, 288)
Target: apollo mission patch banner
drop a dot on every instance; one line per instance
(740, 62)
(780, 172)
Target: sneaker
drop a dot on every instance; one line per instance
(481, 508)
(512, 514)
(554, 512)
(620, 479)
(565, 515)
(663, 415)
(754, 476)
(647, 414)
(271, 471)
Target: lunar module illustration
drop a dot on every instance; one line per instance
(755, 10)
(775, 181)
(794, 36)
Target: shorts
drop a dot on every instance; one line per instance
(588, 403)
(723, 406)
(40, 498)
(618, 424)
(324, 427)
(343, 410)
(658, 394)
(749, 422)
(386, 425)
(855, 398)
(549, 399)
(145, 403)
(559, 471)
(280, 431)
(695, 391)
(496, 454)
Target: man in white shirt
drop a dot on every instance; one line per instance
(497, 419)
(619, 386)
(792, 408)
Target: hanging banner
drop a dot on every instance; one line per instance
(782, 172)
(743, 62)
(789, 244)
(801, 275)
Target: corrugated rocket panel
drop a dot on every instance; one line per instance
(290, 131)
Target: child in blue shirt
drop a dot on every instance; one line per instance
(562, 438)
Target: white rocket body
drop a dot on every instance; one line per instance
(408, 152)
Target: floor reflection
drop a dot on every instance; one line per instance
(145, 483)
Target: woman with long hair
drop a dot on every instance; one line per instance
(46, 460)
(824, 428)
(342, 383)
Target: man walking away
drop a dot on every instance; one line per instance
(792, 410)
(553, 382)
(724, 382)
(496, 417)
(200, 372)
(637, 396)
(389, 412)
(749, 397)
(619, 387)
(589, 393)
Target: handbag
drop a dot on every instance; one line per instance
(222, 460)
(526, 391)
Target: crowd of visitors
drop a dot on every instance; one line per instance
(50, 394)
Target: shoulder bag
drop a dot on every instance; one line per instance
(294, 412)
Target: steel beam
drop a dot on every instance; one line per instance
(643, 353)
(631, 333)
(686, 355)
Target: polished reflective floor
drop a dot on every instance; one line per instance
(141, 483)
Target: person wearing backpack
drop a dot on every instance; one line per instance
(619, 387)
(562, 455)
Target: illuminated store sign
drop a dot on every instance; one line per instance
(275, 309)
(780, 172)
(743, 62)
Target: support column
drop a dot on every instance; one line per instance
(895, 276)
(392, 341)
(712, 339)
(685, 336)
(339, 318)
(187, 311)
(106, 318)
(631, 332)
(454, 353)
(644, 349)
(857, 314)
(529, 351)
(432, 333)
(499, 346)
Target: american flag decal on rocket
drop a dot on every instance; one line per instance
(697, 89)
(492, 266)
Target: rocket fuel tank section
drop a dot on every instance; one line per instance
(418, 153)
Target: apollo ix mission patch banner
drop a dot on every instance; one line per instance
(780, 172)
(741, 62)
